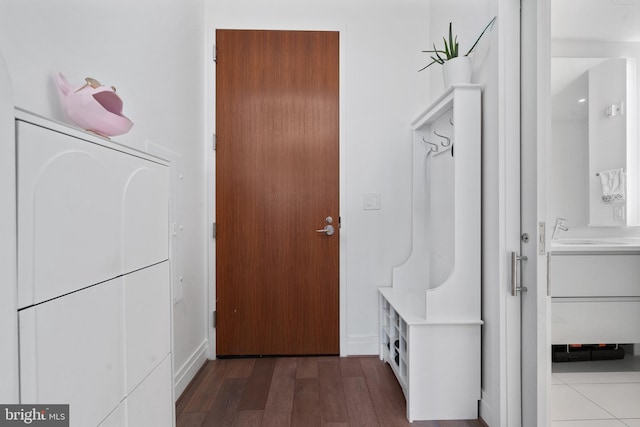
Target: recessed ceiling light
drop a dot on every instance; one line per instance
(582, 100)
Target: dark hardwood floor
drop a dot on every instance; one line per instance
(304, 391)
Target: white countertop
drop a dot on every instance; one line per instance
(596, 244)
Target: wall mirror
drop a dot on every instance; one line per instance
(595, 49)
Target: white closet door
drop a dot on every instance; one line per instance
(68, 226)
(145, 214)
(118, 418)
(147, 314)
(71, 351)
(151, 404)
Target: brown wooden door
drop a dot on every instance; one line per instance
(277, 180)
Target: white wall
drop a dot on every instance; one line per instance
(152, 51)
(381, 93)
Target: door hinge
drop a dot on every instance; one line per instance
(215, 142)
(215, 320)
(215, 53)
(214, 231)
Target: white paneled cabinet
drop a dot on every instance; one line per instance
(151, 404)
(595, 297)
(71, 352)
(146, 295)
(595, 274)
(87, 212)
(8, 289)
(94, 297)
(67, 201)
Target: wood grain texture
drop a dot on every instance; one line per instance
(191, 419)
(385, 392)
(280, 399)
(359, 403)
(306, 403)
(276, 419)
(332, 396)
(204, 388)
(314, 391)
(277, 179)
(350, 367)
(224, 408)
(248, 419)
(307, 367)
(258, 385)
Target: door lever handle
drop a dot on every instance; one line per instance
(515, 262)
(328, 230)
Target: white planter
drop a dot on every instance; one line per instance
(457, 71)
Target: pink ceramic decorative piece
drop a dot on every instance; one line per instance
(93, 107)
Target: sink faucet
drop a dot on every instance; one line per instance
(559, 226)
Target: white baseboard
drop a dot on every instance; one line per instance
(362, 345)
(486, 412)
(189, 369)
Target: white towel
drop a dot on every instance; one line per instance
(613, 186)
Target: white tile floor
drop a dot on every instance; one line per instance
(596, 394)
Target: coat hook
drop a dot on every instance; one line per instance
(451, 121)
(444, 144)
(434, 147)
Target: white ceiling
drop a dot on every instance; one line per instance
(604, 20)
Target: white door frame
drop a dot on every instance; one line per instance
(210, 168)
(536, 349)
(510, 122)
(501, 402)
(502, 396)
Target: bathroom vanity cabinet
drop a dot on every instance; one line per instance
(94, 303)
(429, 319)
(595, 295)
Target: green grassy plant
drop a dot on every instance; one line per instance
(451, 47)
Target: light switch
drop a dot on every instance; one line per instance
(371, 201)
